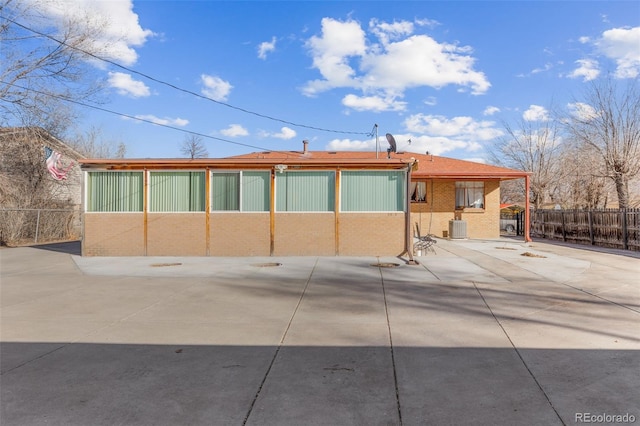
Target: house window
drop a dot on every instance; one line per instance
(469, 195)
(176, 191)
(225, 191)
(418, 192)
(255, 191)
(305, 191)
(372, 191)
(115, 191)
(240, 191)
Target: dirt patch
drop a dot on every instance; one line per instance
(266, 265)
(506, 248)
(529, 254)
(385, 265)
(160, 265)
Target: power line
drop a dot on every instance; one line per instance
(132, 117)
(39, 33)
(144, 120)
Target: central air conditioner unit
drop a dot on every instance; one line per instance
(457, 229)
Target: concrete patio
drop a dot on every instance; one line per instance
(492, 332)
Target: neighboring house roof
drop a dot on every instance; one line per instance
(428, 166)
(39, 135)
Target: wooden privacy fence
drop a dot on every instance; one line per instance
(616, 228)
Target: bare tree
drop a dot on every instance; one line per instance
(534, 147)
(580, 187)
(38, 73)
(607, 122)
(193, 147)
(93, 145)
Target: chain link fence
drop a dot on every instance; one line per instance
(29, 226)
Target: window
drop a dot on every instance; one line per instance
(115, 191)
(225, 191)
(176, 191)
(255, 191)
(305, 191)
(372, 191)
(418, 192)
(240, 191)
(469, 194)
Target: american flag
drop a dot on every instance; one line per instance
(53, 160)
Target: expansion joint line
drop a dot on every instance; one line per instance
(284, 335)
(519, 354)
(393, 359)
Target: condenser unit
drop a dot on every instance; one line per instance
(457, 229)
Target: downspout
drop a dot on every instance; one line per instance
(408, 239)
(527, 212)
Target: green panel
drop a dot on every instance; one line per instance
(115, 192)
(225, 191)
(305, 191)
(176, 191)
(255, 191)
(372, 191)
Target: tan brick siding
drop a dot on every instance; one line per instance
(240, 234)
(113, 234)
(176, 234)
(372, 234)
(435, 218)
(304, 234)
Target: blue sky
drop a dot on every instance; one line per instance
(445, 75)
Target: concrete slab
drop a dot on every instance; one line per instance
(477, 333)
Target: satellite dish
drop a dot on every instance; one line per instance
(392, 144)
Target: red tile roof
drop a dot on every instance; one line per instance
(429, 166)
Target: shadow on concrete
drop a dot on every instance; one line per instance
(68, 247)
(106, 384)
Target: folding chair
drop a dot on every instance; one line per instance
(425, 243)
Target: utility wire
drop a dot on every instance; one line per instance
(144, 120)
(132, 117)
(179, 88)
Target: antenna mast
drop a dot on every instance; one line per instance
(375, 126)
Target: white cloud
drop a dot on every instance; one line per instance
(114, 26)
(373, 103)
(433, 133)
(431, 101)
(582, 111)
(536, 113)
(385, 70)
(235, 130)
(215, 87)
(623, 46)
(167, 121)
(463, 128)
(285, 133)
(587, 69)
(546, 67)
(351, 145)
(127, 86)
(490, 110)
(266, 47)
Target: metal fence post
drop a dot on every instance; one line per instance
(37, 226)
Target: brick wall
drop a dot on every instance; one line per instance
(113, 234)
(176, 234)
(372, 234)
(304, 234)
(434, 219)
(239, 234)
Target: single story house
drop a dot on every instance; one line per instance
(286, 203)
